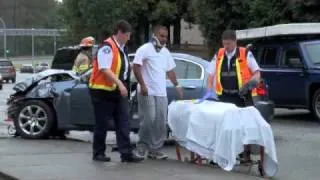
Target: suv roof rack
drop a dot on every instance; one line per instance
(292, 29)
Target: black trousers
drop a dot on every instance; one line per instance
(108, 107)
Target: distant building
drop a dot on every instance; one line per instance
(190, 34)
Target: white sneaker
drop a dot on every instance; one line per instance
(141, 151)
(157, 155)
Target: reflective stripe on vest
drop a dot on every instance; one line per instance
(82, 68)
(98, 79)
(242, 70)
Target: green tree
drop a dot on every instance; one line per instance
(306, 11)
(96, 18)
(91, 18)
(214, 16)
(265, 13)
(29, 14)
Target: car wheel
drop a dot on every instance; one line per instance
(316, 105)
(34, 120)
(13, 80)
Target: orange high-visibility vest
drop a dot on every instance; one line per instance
(98, 79)
(243, 72)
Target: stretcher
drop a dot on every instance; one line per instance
(219, 133)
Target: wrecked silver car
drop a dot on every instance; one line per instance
(51, 102)
(57, 100)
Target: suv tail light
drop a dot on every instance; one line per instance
(12, 70)
(262, 89)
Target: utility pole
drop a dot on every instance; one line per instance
(4, 38)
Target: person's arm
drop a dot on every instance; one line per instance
(138, 74)
(210, 81)
(253, 66)
(173, 78)
(137, 66)
(211, 70)
(105, 57)
(172, 75)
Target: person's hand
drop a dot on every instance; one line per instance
(205, 97)
(253, 83)
(144, 91)
(180, 92)
(123, 90)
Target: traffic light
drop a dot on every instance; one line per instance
(7, 51)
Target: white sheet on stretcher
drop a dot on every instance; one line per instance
(218, 131)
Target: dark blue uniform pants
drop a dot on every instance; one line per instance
(106, 110)
(235, 99)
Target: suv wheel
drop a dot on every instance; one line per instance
(13, 80)
(34, 120)
(316, 105)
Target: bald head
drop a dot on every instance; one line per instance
(161, 32)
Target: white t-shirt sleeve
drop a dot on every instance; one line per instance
(139, 56)
(170, 63)
(252, 63)
(105, 57)
(211, 69)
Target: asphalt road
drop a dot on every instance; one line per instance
(296, 133)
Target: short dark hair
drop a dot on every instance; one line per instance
(157, 28)
(229, 35)
(122, 26)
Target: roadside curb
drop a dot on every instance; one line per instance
(7, 176)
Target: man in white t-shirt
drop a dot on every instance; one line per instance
(152, 64)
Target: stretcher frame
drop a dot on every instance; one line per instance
(197, 159)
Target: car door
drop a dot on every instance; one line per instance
(191, 77)
(267, 57)
(291, 77)
(81, 109)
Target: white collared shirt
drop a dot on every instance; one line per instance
(252, 63)
(105, 57)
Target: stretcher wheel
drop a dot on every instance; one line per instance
(260, 168)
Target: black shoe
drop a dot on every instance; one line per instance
(131, 158)
(101, 158)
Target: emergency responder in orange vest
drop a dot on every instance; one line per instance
(230, 70)
(109, 84)
(83, 60)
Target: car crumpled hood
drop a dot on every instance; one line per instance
(35, 78)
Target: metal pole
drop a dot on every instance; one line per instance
(4, 38)
(32, 47)
(55, 44)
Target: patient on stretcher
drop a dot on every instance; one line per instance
(220, 131)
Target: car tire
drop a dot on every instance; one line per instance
(13, 80)
(34, 120)
(315, 106)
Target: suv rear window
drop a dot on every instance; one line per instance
(314, 52)
(5, 63)
(269, 56)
